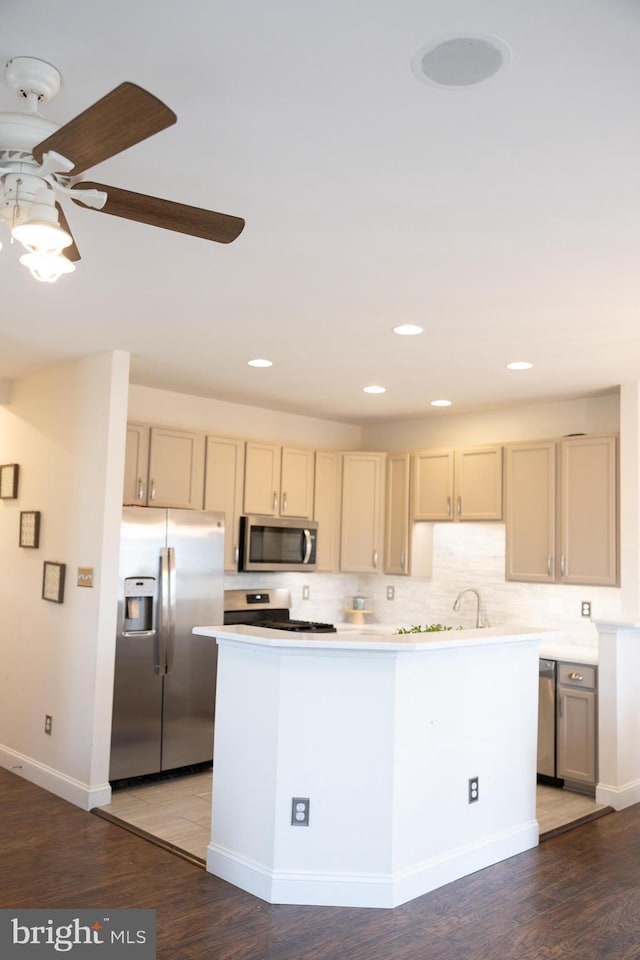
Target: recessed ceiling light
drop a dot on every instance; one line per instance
(441, 403)
(408, 330)
(519, 365)
(260, 363)
(374, 389)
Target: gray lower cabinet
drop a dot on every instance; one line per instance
(577, 725)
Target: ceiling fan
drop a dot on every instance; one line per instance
(41, 162)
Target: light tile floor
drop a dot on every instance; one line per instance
(179, 810)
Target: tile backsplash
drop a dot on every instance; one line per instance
(464, 555)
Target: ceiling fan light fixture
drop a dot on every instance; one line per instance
(42, 237)
(46, 267)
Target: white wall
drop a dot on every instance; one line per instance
(525, 422)
(65, 427)
(219, 418)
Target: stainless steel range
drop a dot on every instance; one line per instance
(267, 608)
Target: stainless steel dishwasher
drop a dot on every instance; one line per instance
(547, 718)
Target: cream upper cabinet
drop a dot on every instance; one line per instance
(530, 511)
(297, 482)
(261, 479)
(478, 483)
(396, 540)
(361, 541)
(561, 511)
(223, 489)
(433, 485)
(278, 480)
(326, 509)
(463, 484)
(175, 470)
(588, 515)
(136, 464)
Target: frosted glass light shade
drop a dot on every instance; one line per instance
(46, 267)
(39, 236)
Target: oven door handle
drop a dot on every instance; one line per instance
(307, 545)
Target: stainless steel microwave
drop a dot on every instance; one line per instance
(277, 543)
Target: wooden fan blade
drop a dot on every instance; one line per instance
(179, 217)
(72, 252)
(119, 120)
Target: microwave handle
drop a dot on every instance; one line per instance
(307, 546)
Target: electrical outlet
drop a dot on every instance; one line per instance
(391, 593)
(474, 789)
(585, 608)
(306, 592)
(48, 723)
(299, 811)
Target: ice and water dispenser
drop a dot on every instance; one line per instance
(139, 594)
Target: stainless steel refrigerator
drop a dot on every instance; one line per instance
(170, 580)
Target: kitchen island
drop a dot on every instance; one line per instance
(379, 737)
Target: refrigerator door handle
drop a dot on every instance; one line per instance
(171, 636)
(165, 601)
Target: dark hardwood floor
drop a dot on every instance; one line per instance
(575, 897)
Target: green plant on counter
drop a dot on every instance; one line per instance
(427, 628)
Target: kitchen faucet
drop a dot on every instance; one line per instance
(481, 620)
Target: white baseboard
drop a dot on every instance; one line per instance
(619, 797)
(76, 792)
(367, 890)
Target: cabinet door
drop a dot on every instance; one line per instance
(396, 541)
(262, 479)
(326, 510)
(296, 483)
(136, 464)
(530, 511)
(478, 483)
(433, 485)
(576, 734)
(362, 512)
(223, 490)
(176, 469)
(588, 511)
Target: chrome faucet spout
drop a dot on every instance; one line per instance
(481, 617)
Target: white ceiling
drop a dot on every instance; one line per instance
(503, 217)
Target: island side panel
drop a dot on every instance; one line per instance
(462, 713)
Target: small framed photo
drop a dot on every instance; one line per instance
(9, 481)
(53, 581)
(29, 528)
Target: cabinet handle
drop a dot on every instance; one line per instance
(576, 676)
(284, 503)
(236, 554)
(140, 489)
(549, 567)
(459, 505)
(402, 559)
(448, 506)
(152, 495)
(562, 565)
(375, 559)
(275, 500)
(560, 699)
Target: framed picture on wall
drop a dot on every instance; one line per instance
(9, 481)
(29, 528)
(53, 581)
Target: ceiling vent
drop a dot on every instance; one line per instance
(460, 61)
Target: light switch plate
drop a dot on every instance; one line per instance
(85, 576)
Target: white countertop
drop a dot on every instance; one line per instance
(370, 638)
(554, 645)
